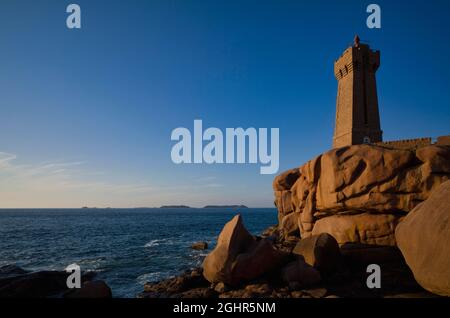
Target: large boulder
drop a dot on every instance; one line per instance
(199, 245)
(359, 256)
(320, 251)
(176, 286)
(423, 238)
(33, 284)
(365, 228)
(300, 272)
(16, 282)
(233, 240)
(283, 197)
(11, 271)
(238, 256)
(92, 289)
(289, 224)
(362, 179)
(258, 260)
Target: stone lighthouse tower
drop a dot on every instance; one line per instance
(357, 116)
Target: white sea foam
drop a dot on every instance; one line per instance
(159, 242)
(153, 243)
(152, 277)
(93, 264)
(96, 270)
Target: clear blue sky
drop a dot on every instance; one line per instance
(86, 115)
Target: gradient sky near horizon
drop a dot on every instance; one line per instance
(86, 115)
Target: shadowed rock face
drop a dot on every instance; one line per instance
(95, 289)
(244, 266)
(33, 285)
(346, 204)
(359, 179)
(239, 257)
(199, 246)
(18, 283)
(300, 272)
(233, 240)
(365, 228)
(423, 238)
(321, 251)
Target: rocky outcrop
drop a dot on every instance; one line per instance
(233, 240)
(260, 259)
(365, 228)
(289, 224)
(238, 256)
(298, 279)
(337, 214)
(33, 285)
(18, 283)
(91, 289)
(320, 251)
(423, 238)
(181, 286)
(361, 255)
(199, 246)
(359, 179)
(299, 272)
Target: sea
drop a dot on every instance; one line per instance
(125, 247)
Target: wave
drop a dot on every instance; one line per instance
(159, 242)
(153, 243)
(96, 270)
(153, 277)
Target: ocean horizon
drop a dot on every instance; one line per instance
(124, 247)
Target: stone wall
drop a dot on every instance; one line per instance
(415, 143)
(443, 141)
(406, 143)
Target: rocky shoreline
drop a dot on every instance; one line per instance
(347, 209)
(339, 213)
(16, 282)
(347, 280)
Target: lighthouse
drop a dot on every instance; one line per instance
(357, 114)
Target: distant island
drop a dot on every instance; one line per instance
(182, 207)
(175, 207)
(225, 206)
(205, 207)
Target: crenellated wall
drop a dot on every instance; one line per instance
(415, 143)
(406, 143)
